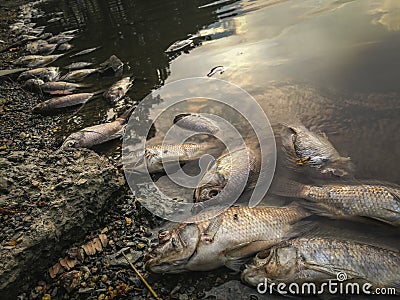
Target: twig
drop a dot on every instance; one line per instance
(142, 278)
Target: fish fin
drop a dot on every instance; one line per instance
(236, 264)
(212, 228)
(287, 188)
(304, 228)
(125, 116)
(238, 255)
(120, 133)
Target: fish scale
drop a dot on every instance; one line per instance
(375, 201)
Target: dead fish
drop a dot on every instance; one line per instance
(156, 157)
(45, 36)
(40, 47)
(83, 52)
(376, 200)
(305, 147)
(98, 134)
(179, 45)
(224, 240)
(60, 38)
(215, 70)
(239, 166)
(61, 102)
(45, 74)
(78, 75)
(53, 20)
(64, 47)
(118, 89)
(60, 87)
(113, 64)
(197, 123)
(33, 61)
(321, 259)
(78, 65)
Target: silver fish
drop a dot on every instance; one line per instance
(60, 87)
(226, 239)
(379, 201)
(321, 259)
(45, 74)
(98, 134)
(179, 45)
(232, 167)
(156, 157)
(60, 38)
(196, 122)
(306, 148)
(78, 65)
(61, 102)
(118, 89)
(83, 52)
(78, 75)
(33, 61)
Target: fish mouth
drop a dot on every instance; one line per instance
(251, 276)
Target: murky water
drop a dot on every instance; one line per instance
(333, 64)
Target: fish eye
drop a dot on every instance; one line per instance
(163, 236)
(263, 254)
(212, 193)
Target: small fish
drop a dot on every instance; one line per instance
(83, 52)
(223, 240)
(215, 70)
(179, 45)
(98, 134)
(78, 65)
(229, 167)
(33, 61)
(60, 87)
(376, 200)
(61, 102)
(78, 75)
(321, 259)
(60, 38)
(40, 47)
(197, 123)
(64, 47)
(45, 74)
(111, 65)
(53, 20)
(305, 147)
(45, 36)
(118, 89)
(156, 157)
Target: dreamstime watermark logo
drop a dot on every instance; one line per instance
(240, 123)
(340, 285)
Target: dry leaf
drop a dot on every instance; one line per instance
(89, 249)
(55, 270)
(103, 239)
(97, 245)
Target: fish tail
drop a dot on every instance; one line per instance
(287, 188)
(125, 116)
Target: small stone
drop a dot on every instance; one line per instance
(46, 297)
(128, 222)
(140, 246)
(104, 278)
(101, 297)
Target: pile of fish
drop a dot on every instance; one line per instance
(285, 240)
(64, 88)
